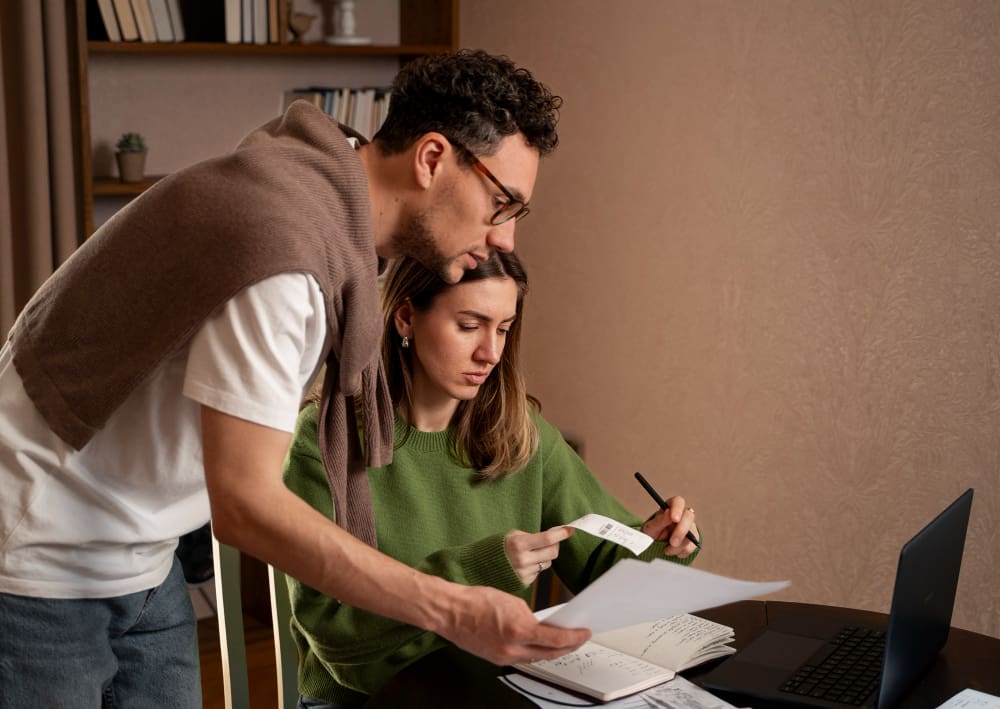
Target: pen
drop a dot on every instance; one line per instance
(663, 505)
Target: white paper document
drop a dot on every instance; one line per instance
(614, 531)
(678, 693)
(972, 699)
(634, 591)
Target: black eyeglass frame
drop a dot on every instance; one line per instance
(499, 217)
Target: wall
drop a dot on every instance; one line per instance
(766, 272)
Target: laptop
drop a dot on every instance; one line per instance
(793, 665)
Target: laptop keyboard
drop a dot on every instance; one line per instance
(849, 674)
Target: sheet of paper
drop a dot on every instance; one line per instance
(614, 531)
(972, 699)
(634, 591)
(678, 693)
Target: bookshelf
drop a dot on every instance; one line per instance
(126, 85)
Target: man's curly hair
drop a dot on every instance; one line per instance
(470, 97)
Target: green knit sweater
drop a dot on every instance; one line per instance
(435, 516)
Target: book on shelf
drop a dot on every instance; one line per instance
(176, 20)
(161, 20)
(282, 20)
(272, 21)
(234, 21)
(342, 106)
(620, 662)
(246, 21)
(363, 109)
(361, 117)
(144, 20)
(101, 21)
(126, 20)
(259, 22)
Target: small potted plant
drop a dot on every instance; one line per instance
(131, 155)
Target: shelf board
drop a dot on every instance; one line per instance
(113, 187)
(266, 50)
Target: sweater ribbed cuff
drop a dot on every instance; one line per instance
(486, 564)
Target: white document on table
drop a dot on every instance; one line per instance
(972, 699)
(678, 693)
(634, 591)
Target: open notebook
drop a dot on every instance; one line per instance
(630, 659)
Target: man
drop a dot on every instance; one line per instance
(155, 379)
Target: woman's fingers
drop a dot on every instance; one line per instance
(531, 553)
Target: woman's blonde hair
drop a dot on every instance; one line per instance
(494, 433)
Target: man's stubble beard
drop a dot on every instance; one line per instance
(417, 241)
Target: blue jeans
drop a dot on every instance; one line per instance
(138, 650)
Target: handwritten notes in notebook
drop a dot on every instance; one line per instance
(632, 659)
(678, 642)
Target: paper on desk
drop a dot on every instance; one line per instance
(972, 699)
(634, 591)
(549, 697)
(678, 693)
(607, 528)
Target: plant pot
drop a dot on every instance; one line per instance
(131, 166)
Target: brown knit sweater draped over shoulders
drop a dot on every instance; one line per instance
(292, 197)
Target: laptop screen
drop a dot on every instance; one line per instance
(923, 598)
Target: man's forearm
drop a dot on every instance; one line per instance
(254, 511)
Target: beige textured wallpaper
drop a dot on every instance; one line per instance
(765, 271)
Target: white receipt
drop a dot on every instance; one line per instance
(607, 528)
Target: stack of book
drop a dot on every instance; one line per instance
(363, 109)
(132, 20)
(232, 21)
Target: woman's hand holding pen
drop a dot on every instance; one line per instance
(670, 525)
(530, 554)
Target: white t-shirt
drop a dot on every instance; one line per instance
(104, 521)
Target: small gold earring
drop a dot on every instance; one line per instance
(406, 342)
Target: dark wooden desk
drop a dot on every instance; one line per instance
(453, 679)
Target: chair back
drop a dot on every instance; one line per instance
(232, 641)
(285, 653)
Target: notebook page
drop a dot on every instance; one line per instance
(669, 642)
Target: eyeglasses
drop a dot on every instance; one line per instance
(514, 208)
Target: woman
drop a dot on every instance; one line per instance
(476, 473)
